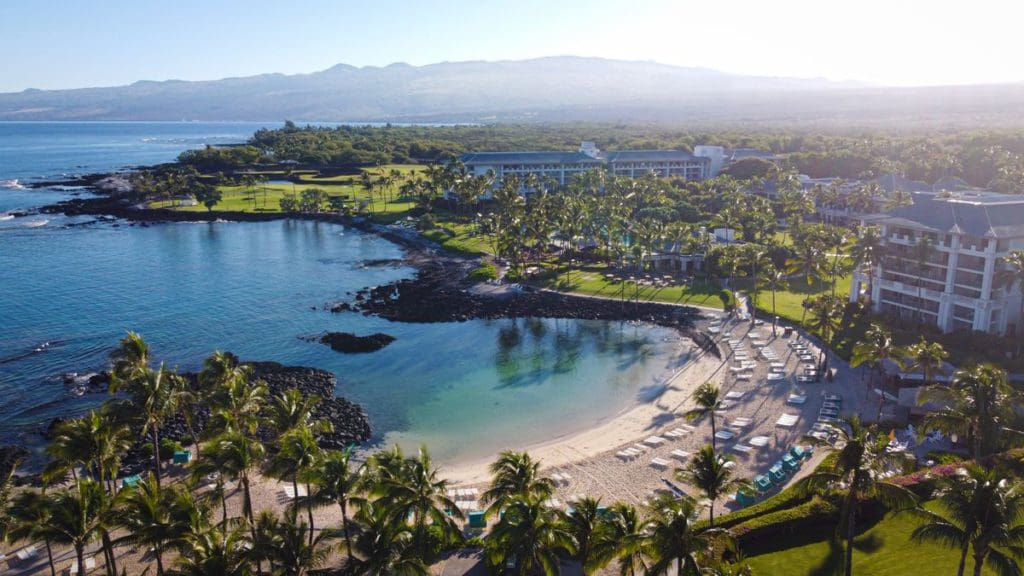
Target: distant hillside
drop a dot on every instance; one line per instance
(546, 89)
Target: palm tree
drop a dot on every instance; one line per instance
(337, 481)
(756, 257)
(28, 519)
(238, 402)
(266, 539)
(76, 517)
(214, 552)
(673, 539)
(383, 546)
(826, 319)
(585, 524)
(862, 456)
(130, 357)
(290, 410)
(515, 474)
(95, 441)
(1011, 274)
(979, 509)
(420, 494)
(926, 357)
(978, 406)
(710, 473)
(866, 252)
(155, 517)
(622, 538)
(297, 551)
(156, 394)
(708, 399)
(530, 536)
(774, 280)
(297, 454)
(875, 348)
(236, 455)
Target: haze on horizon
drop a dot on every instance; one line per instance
(54, 44)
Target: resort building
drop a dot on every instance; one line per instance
(563, 166)
(941, 261)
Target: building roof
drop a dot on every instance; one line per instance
(650, 156)
(892, 182)
(550, 157)
(976, 213)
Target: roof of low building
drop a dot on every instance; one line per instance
(548, 157)
(650, 156)
(975, 213)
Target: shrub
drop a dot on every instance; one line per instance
(484, 272)
(814, 512)
(168, 447)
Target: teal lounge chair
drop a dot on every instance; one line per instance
(763, 482)
(182, 457)
(800, 453)
(131, 481)
(776, 472)
(744, 499)
(477, 520)
(789, 462)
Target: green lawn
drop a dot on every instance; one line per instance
(464, 241)
(884, 549)
(590, 279)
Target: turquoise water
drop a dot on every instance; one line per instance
(465, 389)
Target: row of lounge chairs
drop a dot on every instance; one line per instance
(631, 453)
(777, 474)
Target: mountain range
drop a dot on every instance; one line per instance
(545, 89)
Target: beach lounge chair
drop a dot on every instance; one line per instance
(743, 377)
(801, 453)
(775, 376)
(660, 463)
(27, 553)
(654, 441)
(829, 397)
(131, 481)
(733, 395)
(829, 412)
(740, 423)
(759, 441)
(777, 366)
(681, 455)
(675, 434)
(763, 483)
(744, 499)
(789, 462)
(742, 449)
(624, 455)
(725, 435)
(787, 420)
(831, 405)
(477, 520)
(777, 473)
(796, 399)
(90, 564)
(182, 457)
(639, 447)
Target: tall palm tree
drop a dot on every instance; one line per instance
(862, 456)
(755, 257)
(297, 551)
(673, 539)
(290, 409)
(297, 454)
(711, 474)
(774, 280)
(980, 509)
(622, 538)
(266, 538)
(1013, 273)
(585, 524)
(96, 441)
(708, 399)
(214, 552)
(383, 546)
(28, 519)
(927, 357)
(419, 493)
(154, 517)
(76, 516)
(130, 357)
(515, 474)
(826, 319)
(337, 481)
(238, 402)
(237, 455)
(530, 536)
(156, 395)
(875, 348)
(866, 252)
(978, 405)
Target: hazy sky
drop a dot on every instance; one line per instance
(74, 43)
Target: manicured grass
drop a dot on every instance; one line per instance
(884, 549)
(590, 280)
(464, 241)
(789, 302)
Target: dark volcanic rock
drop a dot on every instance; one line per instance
(352, 344)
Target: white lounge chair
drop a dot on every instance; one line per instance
(733, 395)
(27, 552)
(742, 449)
(740, 423)
(681, 455)
(758, 441)
(725, 435)
(787, 420)
(775, 376)
(796, 399)
(654, 441)
(660, 463)
(90, 564)
(676, 434)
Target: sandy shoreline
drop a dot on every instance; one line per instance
(636, 422)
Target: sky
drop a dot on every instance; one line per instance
(73, 43)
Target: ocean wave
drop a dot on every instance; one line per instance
(35, 223)
(12, 184)
(6, 217)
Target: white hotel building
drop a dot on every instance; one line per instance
(956, 289)
(562, 166)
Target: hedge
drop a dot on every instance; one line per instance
(484, 272)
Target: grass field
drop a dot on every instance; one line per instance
(464, 240)
(884, 549)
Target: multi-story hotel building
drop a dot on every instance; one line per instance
(941, 258)
(563, 166)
